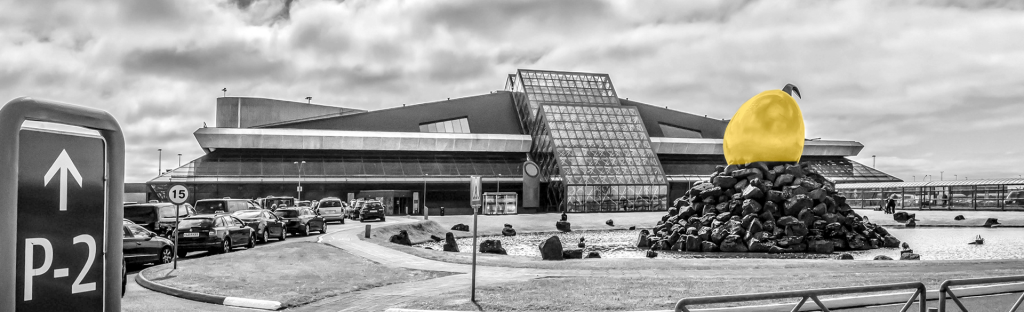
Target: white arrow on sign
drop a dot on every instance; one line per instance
(64, 165)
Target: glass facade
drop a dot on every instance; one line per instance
(460, 125)
(960, 195)
(842, 170)
(596, 153)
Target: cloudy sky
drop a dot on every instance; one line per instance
(926, 86)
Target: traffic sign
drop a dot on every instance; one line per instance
(177, 194)
(475, 186)
(59, 244)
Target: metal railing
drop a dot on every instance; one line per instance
(944, 289)
(811, 294)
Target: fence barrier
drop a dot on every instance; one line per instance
(944, 289)
(813, 295)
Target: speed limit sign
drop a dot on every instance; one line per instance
(177, 194)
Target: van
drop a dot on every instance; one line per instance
(213, 206)
(332, 209)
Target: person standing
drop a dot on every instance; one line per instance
(891, 205)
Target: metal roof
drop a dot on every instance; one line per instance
(932, 183)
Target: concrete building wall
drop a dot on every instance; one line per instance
(492, 113)
(260, 112)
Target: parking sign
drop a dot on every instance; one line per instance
(59, 244)
(475, 186)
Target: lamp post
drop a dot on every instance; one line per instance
(872, 161)
(159, 162)
(299, 190)
(309, 100)
(179, 160)
(225, 91)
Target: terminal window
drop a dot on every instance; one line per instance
(460, 125)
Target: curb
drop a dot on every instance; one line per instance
(205, 298)
(839, 303)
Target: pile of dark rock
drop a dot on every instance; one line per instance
(777, 208)
(508, 230)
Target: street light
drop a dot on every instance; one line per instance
(179, 160)
(225, 91)
(299, 190)
(159, 162)
(309, 100)
(872, 161)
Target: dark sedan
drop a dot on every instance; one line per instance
(265, 222)
(216, 233)
(142, 246)
(302, 220)
(371, 210)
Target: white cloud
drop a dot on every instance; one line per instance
(926, 85)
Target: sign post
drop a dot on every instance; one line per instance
(60, 209)
(475, 186)
(177, 194)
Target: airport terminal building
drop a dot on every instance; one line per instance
(549, 141)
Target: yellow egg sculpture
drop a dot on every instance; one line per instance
(769, 127)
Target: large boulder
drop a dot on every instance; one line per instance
(751, 206)
(652, 253)
(563, 226)
(460, 227)
(449, 243)
(910, 256)
(492, 246)
(796, 229)
(733, 243)
(902, 217)
(759, 246)
(845, 256)
(551, 248)
(402, 238)
(890, 242)
(752, 192)
(435, 238)
(704, 233)
(572, 254)
(958, 218)
(991, 222)
(643, 241)
(713, 192)
(882, 257)
(693, 243)
(708, 247)
(723, 181)
(593, 255)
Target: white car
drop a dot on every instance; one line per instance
(332, 209)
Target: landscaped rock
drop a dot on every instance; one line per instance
(910, 256)
(435, 238)
(632, 228)
(693, 243)
(991, 222)
(643, 241)
(460, 227)
(845, 256)
(551, 249)
(890, 242)
(882, 257)
(402, 238)
(563, 226)
(733, 243)
(450, 243)
(492, 246)
(572, 254)
(652, 254)
(593, 255)
(708, 247)
(902, 217)
(508, 230)
(610, 222)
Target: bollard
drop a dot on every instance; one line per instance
(367, 235)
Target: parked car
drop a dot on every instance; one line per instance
(167, 224)
(146, 215)
(1014, 198)
(332, 209)
(143, 246)
(372, 209)
(216, 233)
(265, 222)
(302, 220)
(274, 202)
(223, 205)
(303, 203)
(352, 211)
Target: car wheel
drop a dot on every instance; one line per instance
(226, 247)
(362, 220)
(323, 228)
(182, 253)
(342, 220)
(283, 233)
(252, 241)
(382, 219)
(266, 236)
(305, 231)
(166, 255)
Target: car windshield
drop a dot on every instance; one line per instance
(373, 205)
(247, 214)
(280, 202)
(287, 213)
(211, 207)
(198, 222)
(168, 212)
(329, 203)
(139, 212)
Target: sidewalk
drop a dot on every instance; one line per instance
(945, 217)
